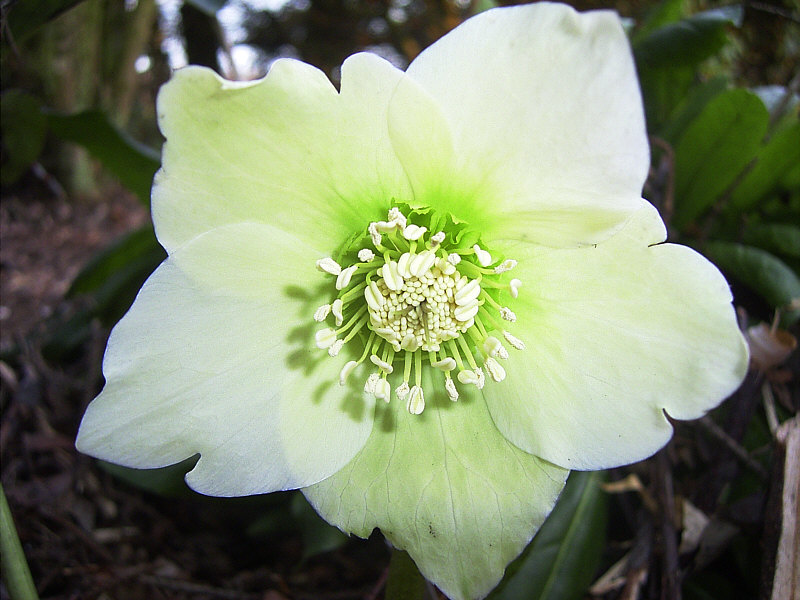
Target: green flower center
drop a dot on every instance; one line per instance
(420, 300)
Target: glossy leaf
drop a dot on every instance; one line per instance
(778, 238)
(764, 273)
(134, 164)
(23, 128)
(691, 106)
(560, 562)
(318, 536)
(714, 149)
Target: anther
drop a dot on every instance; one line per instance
(366, 255)
(514, 286)
(454, 258)
(468, 293)
(371, 383)
(414, 232)
(336, 309)
(515, 342)
(328, 265)
(335, 347)
(383, 390)
(381, 364)
(505, 266)
(416, 400)
(322, 313)
(481, 378)
(395, 216)
(493, 347)
(436, 239)
(402, 391)
(496, 371)
(391, 277)
(507, 314)
(343, 279)
(466, 312)
(484, 258)
(325, 337)
(466, 377)
(446, 364)
(450, 387)
(346, 370)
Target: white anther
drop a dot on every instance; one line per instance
(422, 263)
(322, 313)
(346, 370)
(505, 266)
(374, 234)
(508, 314)
(343, 279)
(446, 364)
(467, 312)
(466, 377)
(403, 263)
(325, 337)
(484, 258)
(445, 267)
(372, 381)
(496, 371)
(514, 286)
(383, 390)
(329, 265)
(402, 391)
(414, 232)
(373, 296)
(454, 258)
(493, 347)
(335, 347)
(395, 216)
(365, 255)
(385, 226)
(409, 342)
(416, 400)
(515, 342)
(450, 387)
(381, 364)
(336, 309)
(391, 277)
(437, 238)
(481, 378)
(468, 293)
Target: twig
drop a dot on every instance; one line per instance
(665, 496)
(738, 451)
(180, 585)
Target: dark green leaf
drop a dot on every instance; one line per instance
(26, 16)
(762, 272)
(405, 581)
(691, 106)
(777, 238)
(663, 91)
(318, 536)
(687, 42)
(560, 562)
(23, 129)
(134, 164)
(773, 159)
(714, 150)
(663, 13)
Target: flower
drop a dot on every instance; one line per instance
(422, 298)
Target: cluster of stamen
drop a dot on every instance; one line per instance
(411, 301)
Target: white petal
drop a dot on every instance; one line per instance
(217, 357)
(616, 335)
(545, 113)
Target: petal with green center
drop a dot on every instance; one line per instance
(217, 357)
(616, 335)
(288, 150)
(546, 115)
(446, 487)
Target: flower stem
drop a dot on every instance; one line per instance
(16, 574)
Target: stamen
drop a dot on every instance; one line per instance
(372, 382)
(416, 400)
(322, 313)
(343, 279)
(346, 370)
(335, 347)
(508, 314)
(515, 342)
(396, 216)
(336, 309)
(402, 391)
(514, 286)
(454, 258)
(325, 338)
(505, 266)
(381, 364)
(484, 258)
(383, 390)
(413, 232)
(446, 364)
(450, 387)
(496, 371)
(329, 265)
(366, 255)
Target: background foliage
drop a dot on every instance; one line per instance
(720, 84)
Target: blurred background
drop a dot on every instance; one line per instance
(80, 145)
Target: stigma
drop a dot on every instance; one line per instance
(418, 300)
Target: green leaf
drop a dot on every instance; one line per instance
(777, 238)
(26, 16)
(23, 129)
(714, 149)
(318, 536)
(761, 271)
(687, 42)
(134, 164)
(560, 562)
(773, 160)
(663, 13)
(405, 581)
(446, 487)
(691, 106)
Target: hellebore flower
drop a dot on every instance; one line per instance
(422, 298)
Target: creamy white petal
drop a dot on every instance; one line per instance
(216, 357)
